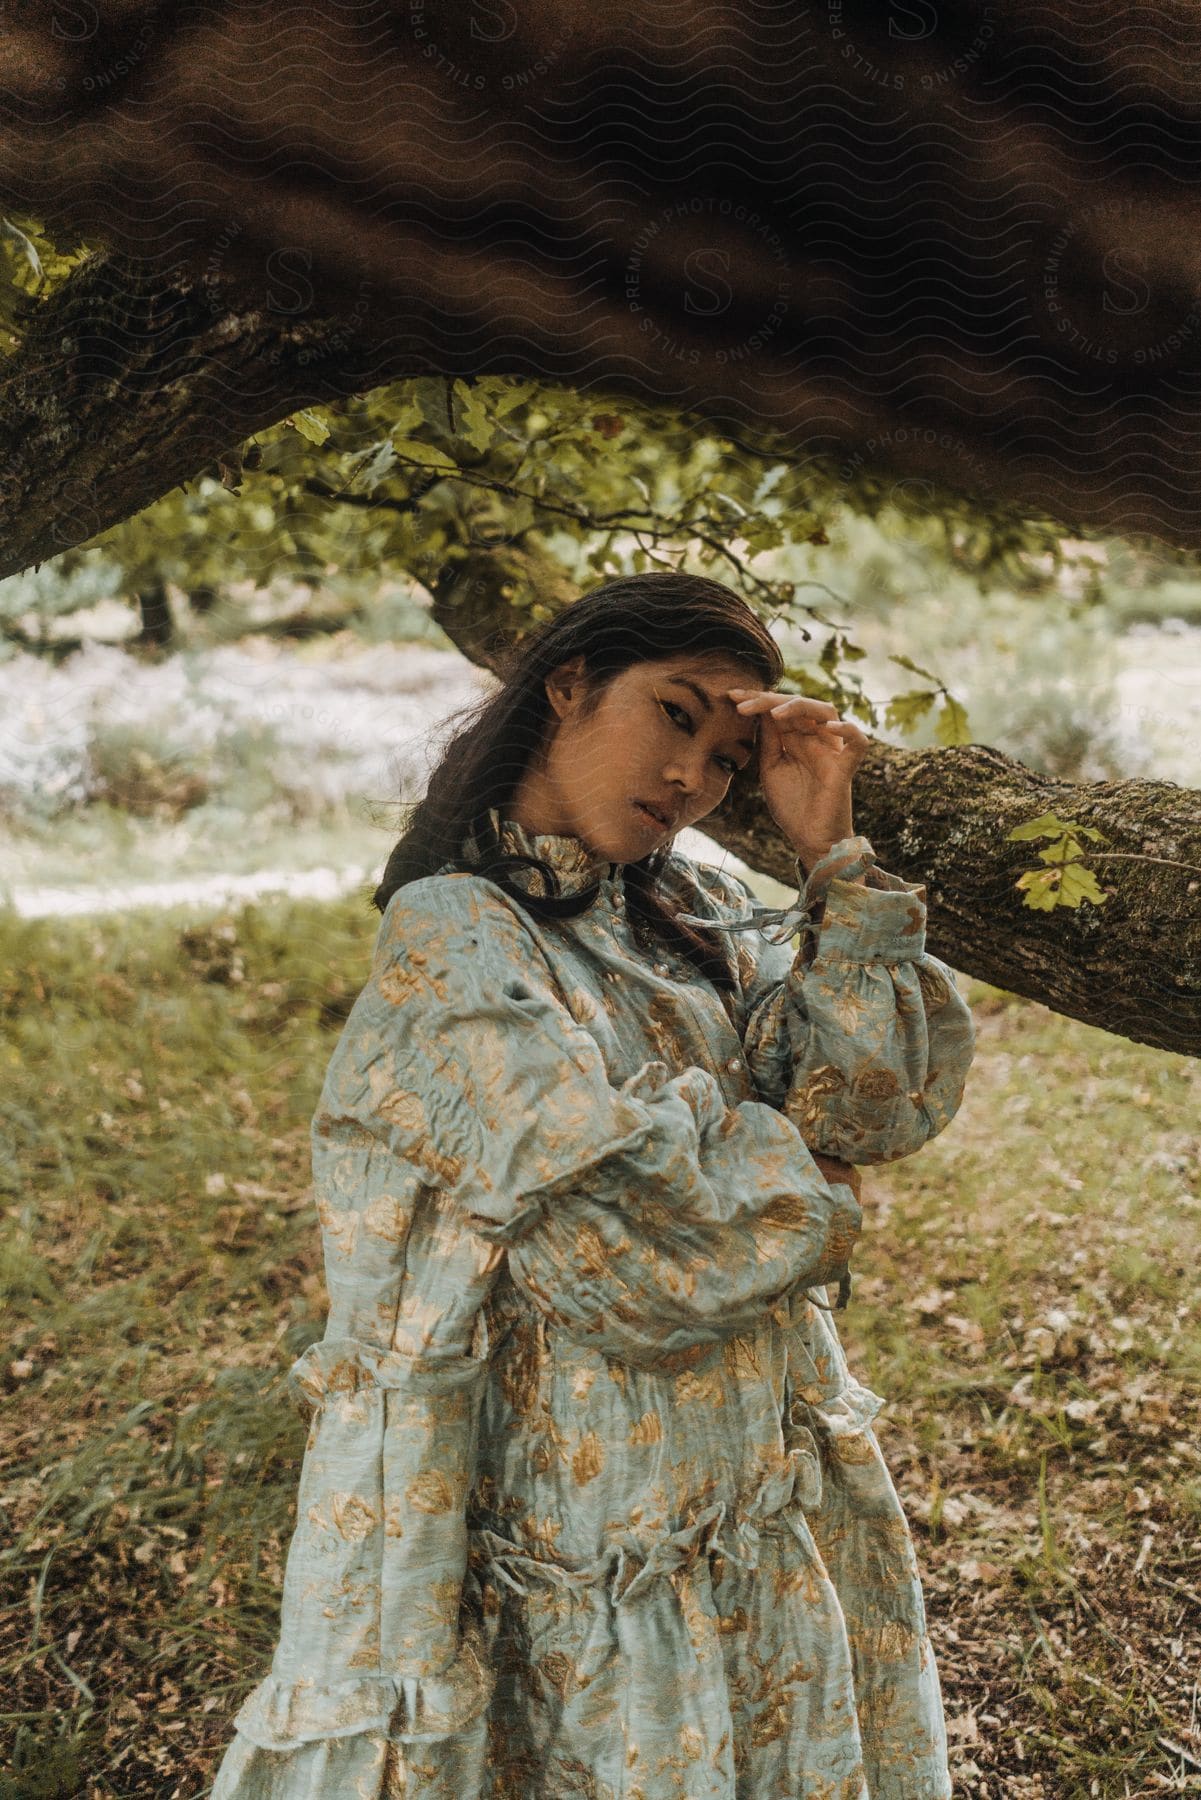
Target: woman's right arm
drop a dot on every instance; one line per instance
(646, 1219)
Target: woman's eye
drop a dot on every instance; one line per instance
(669, 707)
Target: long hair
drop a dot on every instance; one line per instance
(634, 619)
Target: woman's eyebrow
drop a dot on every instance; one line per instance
(702, 696)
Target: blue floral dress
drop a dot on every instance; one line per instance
(591, 1503)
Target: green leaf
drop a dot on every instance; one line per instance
(1047, 824)
(1041, 886)
(308, 425)
(431, 393)
(425, 454)
(951, 726)
(405, 417)
(767, 535)
(509, 394)
(904, 710)
(1079, 883)
(915, 668)
(473, 421)
(1067, 884)
(1064, 849)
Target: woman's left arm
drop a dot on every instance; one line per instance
(860, 1036)
(863, 1040)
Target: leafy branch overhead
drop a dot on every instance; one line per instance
(504, 496)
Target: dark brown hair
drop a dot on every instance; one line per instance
(634, 619)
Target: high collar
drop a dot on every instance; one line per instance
(577, 867)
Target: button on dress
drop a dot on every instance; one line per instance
(591, 1503)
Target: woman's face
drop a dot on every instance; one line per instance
(665, 733)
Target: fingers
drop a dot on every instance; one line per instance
(833, 1169)
(799, 712)
(751, 700)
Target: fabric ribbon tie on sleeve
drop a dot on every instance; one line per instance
(843, 861)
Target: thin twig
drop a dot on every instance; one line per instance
(659, 528)
(1179, 1587)
(1176, 1749)
(1134, 856)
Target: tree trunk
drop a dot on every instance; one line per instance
(158, 627)
(1132, 966)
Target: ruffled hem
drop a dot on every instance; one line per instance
(846, 1414)
(843, 1421)
(282, 1715)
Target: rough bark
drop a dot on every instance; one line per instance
(127, 384)
(1131, 966)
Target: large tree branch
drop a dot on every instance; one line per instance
(1132, 966)
(962, 246)
(126, 384)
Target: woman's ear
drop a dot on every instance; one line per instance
(565, 686)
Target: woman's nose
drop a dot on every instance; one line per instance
(687, 777)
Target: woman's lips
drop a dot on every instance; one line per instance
(648, 816)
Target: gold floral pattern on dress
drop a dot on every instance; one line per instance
(591, 1503)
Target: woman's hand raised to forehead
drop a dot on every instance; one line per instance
(808, 756)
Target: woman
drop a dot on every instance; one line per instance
(591, 1504)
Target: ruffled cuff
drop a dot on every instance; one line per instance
(282, 1715)
(347, 1365)
(873, 924)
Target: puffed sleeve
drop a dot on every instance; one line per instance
(467, 1119)
(860, 1036)
(645, 1218)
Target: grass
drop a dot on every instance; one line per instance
(1022, 1298)
(1025, 1300)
